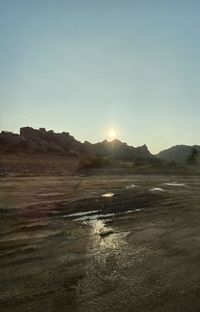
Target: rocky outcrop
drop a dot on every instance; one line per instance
(49, 141)
(30, 133)
(42, 141)
(118, 149)
(11, 140)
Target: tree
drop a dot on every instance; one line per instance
(193, 157)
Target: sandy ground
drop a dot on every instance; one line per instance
(53, 258)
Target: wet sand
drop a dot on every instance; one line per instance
(54, 258)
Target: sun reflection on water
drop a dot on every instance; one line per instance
(103, 271)
(102, 244)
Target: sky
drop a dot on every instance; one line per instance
(91, 68)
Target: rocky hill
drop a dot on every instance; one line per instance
(118, 149)
(38, 141)
(178, 153)
(41, 141)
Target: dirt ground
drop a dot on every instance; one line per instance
(54, 258)
(18, 164)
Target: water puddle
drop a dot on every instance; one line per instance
(175, 184)
(95, 216)
(106, 215)
(157, 189)
(128, 187)
(83, 213)
(109, 194)
(51, 194)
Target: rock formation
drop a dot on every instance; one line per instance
(42, 141)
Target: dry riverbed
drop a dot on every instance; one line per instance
(100, 243)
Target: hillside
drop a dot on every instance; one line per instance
(178, 153)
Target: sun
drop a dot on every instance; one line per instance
(112, 134)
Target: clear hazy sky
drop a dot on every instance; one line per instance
(86, 66)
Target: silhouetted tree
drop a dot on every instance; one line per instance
(193, 157)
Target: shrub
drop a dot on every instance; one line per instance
(91, 162)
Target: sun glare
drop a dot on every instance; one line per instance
(112, 134)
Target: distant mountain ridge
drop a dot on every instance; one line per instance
(42, 141)
(177, 153)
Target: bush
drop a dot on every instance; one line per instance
(94, 162)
